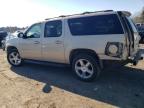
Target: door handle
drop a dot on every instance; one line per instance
(36, 42)
(58, 42)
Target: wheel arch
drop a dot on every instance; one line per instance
(75, 52)
(10, 48)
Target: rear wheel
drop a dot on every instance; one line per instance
(86, 67)
(14, 58)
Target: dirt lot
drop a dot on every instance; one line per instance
(45, 86)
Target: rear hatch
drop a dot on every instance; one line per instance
(132, 35)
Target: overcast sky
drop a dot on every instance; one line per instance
(23, 13)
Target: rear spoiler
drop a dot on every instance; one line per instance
(126, 13)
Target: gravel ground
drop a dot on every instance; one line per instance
(45, 86)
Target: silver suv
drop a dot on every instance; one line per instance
(82, 40)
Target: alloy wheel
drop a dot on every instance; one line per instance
(15, 58)
(84, 68)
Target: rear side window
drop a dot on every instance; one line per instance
(53, 28)
(132, 24)
(95, 25)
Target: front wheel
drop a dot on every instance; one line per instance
(86, 67)
(14, 58)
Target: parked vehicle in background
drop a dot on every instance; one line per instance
(2, 36)
(141, 33)
(9, 36)
(139, 24)
(84, 41)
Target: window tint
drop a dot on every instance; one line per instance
(53, 29)
(132, 24)
(34, 31)
(95, 25)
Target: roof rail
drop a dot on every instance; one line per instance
(51, 18)
(97, 11)
(125, 13)
(80, 14)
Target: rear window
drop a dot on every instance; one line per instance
(95, 25)
(133, 26)
(53, 28)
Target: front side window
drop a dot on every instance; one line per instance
(34, 31)
(95, 25)
(53, 29)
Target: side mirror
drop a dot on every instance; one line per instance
(22, 35)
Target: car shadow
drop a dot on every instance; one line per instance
(120, 86)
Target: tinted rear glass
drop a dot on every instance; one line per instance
(53, 28)
(132, 24)
(95, 25)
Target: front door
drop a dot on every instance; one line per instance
(31, 43)
(53, 42)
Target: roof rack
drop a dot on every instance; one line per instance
(97, 11)
(125, 13)
(52, 18)
(80, 14)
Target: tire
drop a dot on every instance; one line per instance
(87, 71)
(14, 60)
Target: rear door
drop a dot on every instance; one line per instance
(53, 42)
